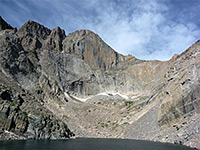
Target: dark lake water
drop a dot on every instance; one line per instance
(88, 144)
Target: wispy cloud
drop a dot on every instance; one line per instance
(155, 29)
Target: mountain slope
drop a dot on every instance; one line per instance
(92, 90)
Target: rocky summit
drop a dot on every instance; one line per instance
(54, 86)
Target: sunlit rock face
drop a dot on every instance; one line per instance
(78, 85)
(92, 49)
(182, 86)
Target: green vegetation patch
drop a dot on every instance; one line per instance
(128, 103)
(12, 104)
(104, 125)
(114, 125)
(25, 114)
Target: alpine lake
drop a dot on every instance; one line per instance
(88, 144)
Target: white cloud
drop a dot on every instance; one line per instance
(145, 33)
(147, 29)
(148, 34)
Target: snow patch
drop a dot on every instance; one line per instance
(80, 99)
(114, 93)
(109, 94)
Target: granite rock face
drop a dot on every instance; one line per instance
(27, 118)
(54, 41)
(55, 86)
(32, 35)
(22, 112)
(182, 86)
(92, 49)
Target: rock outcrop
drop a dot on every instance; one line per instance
(182, 86)
(25, 117)
(22, 111)
(55, 86)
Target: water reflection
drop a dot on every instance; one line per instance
(89, 144)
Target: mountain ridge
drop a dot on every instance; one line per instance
(92, 90)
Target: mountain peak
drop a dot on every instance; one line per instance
(31, 23)
(98, 91)
(33, 29)
(81, 34)
(54, 40)
(92, 49)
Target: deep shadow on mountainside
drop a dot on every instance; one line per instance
(54, 86)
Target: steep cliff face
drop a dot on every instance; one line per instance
(51, 80)
(92, 49)
(32, 35)
(21, 97)
(182, 82)
(173, 115)
(24, 117)
(116, 73)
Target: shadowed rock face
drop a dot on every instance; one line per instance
(21, 91)
(32, 35)
(4, 25)
(27, 118)
(54, 41)
(53, 73)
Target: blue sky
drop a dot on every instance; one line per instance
(147, 29)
